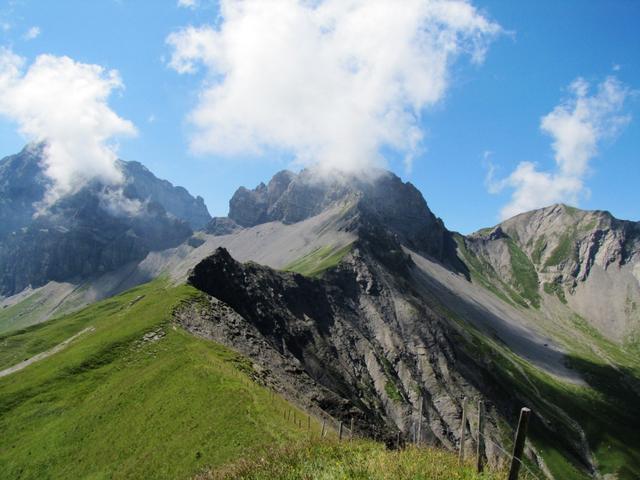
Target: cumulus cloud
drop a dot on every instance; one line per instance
(63, 104)
(32, 33)
(332, 82)
(577, 126)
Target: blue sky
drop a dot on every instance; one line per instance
(488, 116)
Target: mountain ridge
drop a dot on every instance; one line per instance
(354, 297)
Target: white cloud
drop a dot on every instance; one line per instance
(32, 33)
(330, 81)
(577, 126)
(64, 103)
(188, 3)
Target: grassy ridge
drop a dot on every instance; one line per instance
(114, 405)
(138, 397)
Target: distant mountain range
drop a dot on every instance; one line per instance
(90, 231)
(357, 300)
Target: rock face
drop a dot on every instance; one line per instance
(588, 261)
(177, 201)
(221, 226)
(90, 232)
(349, 343)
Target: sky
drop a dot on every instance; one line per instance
(489, 107)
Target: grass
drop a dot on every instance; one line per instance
(485, 275)
(555, 288)
(524, 274)
(20, 315)
(392, 391)
(359, 459)
(314, 263)
(111, 405)
(538, 249)
(563, 251)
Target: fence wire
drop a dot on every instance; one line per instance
(511, 457)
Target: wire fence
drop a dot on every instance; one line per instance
(327, 425)
(508, 454)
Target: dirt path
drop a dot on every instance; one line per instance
(40, 356)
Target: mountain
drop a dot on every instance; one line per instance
(405, 310)
(383, 199)
(94, 230)
(352, 299)
(589, 261)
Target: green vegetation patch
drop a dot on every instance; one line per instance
(538, 249)
(314, 263)
(524, 274)
(137, 397)
(555, 288)
(392, 391)
(359, 459)
(563, 251)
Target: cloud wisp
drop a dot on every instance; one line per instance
(32, 33)
(577, 126)
(188, 3)
(331, 82)
(64, 104)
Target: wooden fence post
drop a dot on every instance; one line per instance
(398, 440)
(518, 447)
(480, 452)
(340, 431)
(351, 431)
(420, 421)
(463, 430)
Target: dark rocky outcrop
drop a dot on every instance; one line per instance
(357, 342)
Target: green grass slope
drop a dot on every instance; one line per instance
(20, 315)
(116, 405)
(316, 262)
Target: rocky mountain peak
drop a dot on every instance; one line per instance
(381, 198)
(91, 231)
(563, 254)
